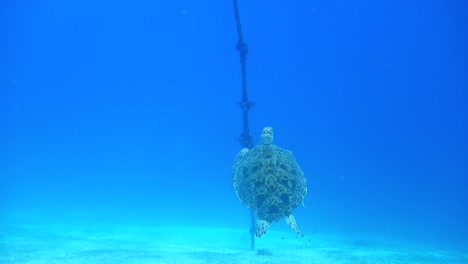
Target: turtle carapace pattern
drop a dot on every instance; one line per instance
(268, 180)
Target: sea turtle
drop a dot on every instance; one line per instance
(268, 180)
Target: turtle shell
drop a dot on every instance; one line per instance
(268, 180)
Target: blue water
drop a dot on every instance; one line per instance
(127, 112)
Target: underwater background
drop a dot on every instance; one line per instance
(126, 112)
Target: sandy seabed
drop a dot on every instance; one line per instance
(52, 244)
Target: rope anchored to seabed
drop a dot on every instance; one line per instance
(245, 137)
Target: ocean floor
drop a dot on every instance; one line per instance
(51, 244)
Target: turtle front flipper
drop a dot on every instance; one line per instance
(261, 227)
(291, 221)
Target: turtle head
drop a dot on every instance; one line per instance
(267, 135)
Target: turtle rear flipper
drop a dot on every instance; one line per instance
(291, 221)
(261, 227)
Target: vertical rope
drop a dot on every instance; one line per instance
(245, 137)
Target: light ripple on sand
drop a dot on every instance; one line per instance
(52, 244)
